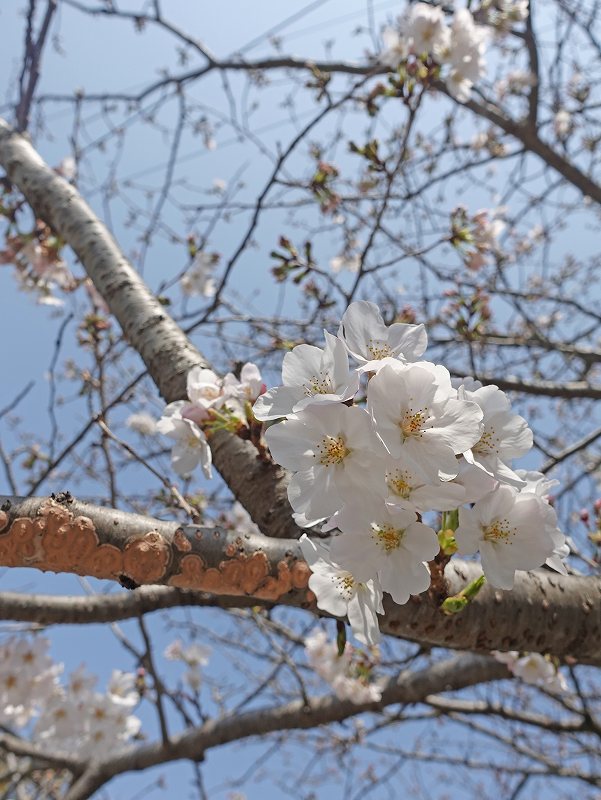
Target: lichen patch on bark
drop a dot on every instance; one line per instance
(58, 541)
(241, 574)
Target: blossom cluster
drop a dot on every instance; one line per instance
(534, 668)
(72, 717)
(212, 401)
(373, 469)
(459, 48)
(348, 673)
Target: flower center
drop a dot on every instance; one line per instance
(377, 348)
(499, 531)
(318, 384)
(487, 444)
(332, 450)
(345, 584)
(398, 483)
(412, 423)
(386, 536)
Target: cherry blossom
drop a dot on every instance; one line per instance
(509, 531)
(425, 29)
(191, 447)
(311, 376)
(339, 593)
(411, 419)
(505, 436)
(407, 486)
(330, 449)
(199, 280)
(341, 671)
(369, 340)
(389, 541)
(539, 485)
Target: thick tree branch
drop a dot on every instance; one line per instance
(545, 612)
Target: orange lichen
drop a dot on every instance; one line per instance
(181, 541)
(146, 557)
(241, 574)
(57, 540)
(192, 569)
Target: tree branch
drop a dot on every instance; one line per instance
(545, 612)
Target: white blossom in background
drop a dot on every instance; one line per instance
(395, 48)
(535, 669)
(345, 261)
(562, 123)
(425, 30)
(342, 672)
(340, 594)
(465, 55)
(28, 678)
(67, 169)
(194, 656)
(509, 531)
(143, 423)
(219, 185)
(73, 717)
(199, 279)
(122, 688)
(370, 341)
(311, 375)
(515, 82)
(245, 389)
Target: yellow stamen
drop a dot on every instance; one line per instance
(378, 349)
(387, 537)
(332, 450)
(499, 531)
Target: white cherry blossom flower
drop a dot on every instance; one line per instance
(339, 670)
(407, 486)
(122, 688)
(474, 481)
(505, 436)
(331, 449)
(509, 530)
(539, 485)
(338, 592)
(412, 419)
(248, 388)
(465, 54)
(191, 447)
(311, 376)
(369, 340)
(534, 668)
(387, 541)
(143, 423)
(395, 48)
(425, 29)
(199, 280)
